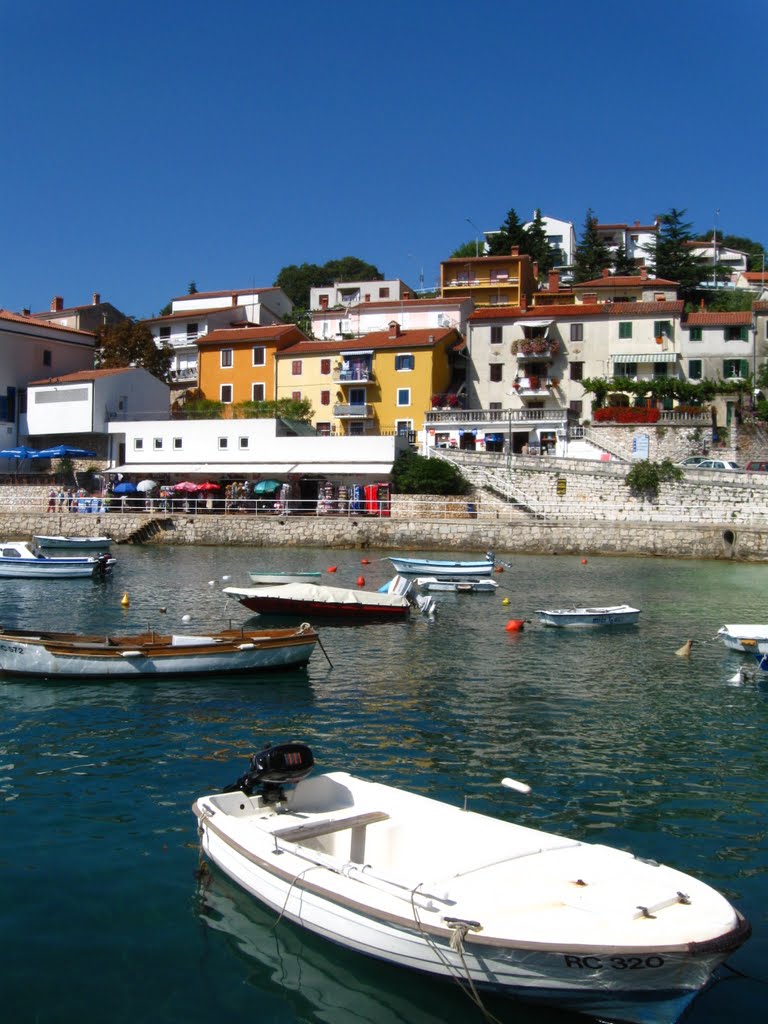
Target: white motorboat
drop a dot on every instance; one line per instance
(407, 566)
(61, 543)
(266, 578)
(744, 637)
(76, 656)
(456, 894)
(20, 561)
(457, 584)
(608, 615)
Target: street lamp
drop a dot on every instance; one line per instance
(477, 236)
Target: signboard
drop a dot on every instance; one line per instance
(640, 446)
(561, 486)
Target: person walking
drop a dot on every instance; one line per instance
(52, 500)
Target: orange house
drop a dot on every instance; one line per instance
(238, 364)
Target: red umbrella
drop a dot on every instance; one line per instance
(186, 485)
(209, 486)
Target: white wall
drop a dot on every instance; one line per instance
(81, 407)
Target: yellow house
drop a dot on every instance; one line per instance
(238, 364)
(381, 383)
(489, 280)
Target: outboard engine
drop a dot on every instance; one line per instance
(104, 563)
(491, 556)
(272, 768)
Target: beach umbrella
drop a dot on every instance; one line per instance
(126, 487)
(65, 451)
(147, 485)
(187, 486)
(209, 486)
(267, 486)
(20, 452)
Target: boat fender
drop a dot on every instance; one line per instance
(245, 647)
(131, 654)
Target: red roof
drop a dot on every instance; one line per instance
(30, 320)
(576, 312)
(635, 281)
(427, 337)
(218, 295)
(248, 335)
(82, 375)
(738, 319)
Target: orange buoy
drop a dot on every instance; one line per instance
(583, 561)
(361, 581)
(331, 568)
(515, 625)
(499, 568)
(365, 561)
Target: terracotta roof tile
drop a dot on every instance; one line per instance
(80, 375)
(217, 295)
(249, 335)
(427, 337)
(634, 281)
(33, 321)
(737, 319)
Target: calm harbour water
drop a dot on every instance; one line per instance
(622, 741)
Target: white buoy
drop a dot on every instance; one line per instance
(520, 787)
(211, 583)
(186, 618)
(226, 578)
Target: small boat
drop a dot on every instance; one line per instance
(436, 567)
(457, 584)
(273, 579)
(455, 894)
(744, 638)
(72, 543)
(19, 561)
(313, 600)
(76, 656)
(609, 615)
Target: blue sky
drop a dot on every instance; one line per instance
(149, 144)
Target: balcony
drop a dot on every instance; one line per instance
(353, 376)
(534, 387)
(352, 412)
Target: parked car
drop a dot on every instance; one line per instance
(694, 460)
(758, 466)
(718, 464)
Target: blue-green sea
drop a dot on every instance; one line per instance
(622, 741)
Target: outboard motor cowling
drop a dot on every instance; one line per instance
(274, 767)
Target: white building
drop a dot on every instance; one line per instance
(636, 239)
(193, 316)
(372, 317)
(350, 293)
(561, 237)
(30, 349)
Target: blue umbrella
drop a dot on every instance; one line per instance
(64, 451)
(126, 487)
(21, 452)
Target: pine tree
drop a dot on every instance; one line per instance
(592, 254)
(672, 257)
(510, 233)
(536, 245)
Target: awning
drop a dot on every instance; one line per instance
(532, 323)
(645, 357)
(344, 468)
(206, 468)
(356, 352)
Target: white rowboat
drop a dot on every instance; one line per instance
(272, 579)
(744, 637)
(438, 567)
(456, 894)
(19, 561)
(72, 543)
(609, 615)
(457, 584)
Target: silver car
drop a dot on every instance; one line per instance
(718, 464)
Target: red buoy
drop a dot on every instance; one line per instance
(583, 561)
(365, 561)
(361, 581)
(499, 568)
(515, 625)
(331, 568)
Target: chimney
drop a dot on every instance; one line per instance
(26, 312)
(589, 298)
(96, 300)
(515, 250)
(406, 295)
(553, 281)
(644, 273)
(606, 271)
(394, 329)
(57, 304)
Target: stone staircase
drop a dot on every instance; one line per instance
(149, 531)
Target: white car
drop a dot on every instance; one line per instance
(694, 460)
(718, 464)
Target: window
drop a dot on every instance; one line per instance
(495, 371)
(223, 444)
(357, 396)
(325, 367)
(296, 396)
(225, 393)
(138, 444)
(226, 358)
(383, 293)
(735, 367)
(296, 367)
(325, 398)
(356, 428)
(258, 393)
(403, 427)
(243, 443)
(628, 370)
(165, 335)
(259, 355)
(404, 362)
(178, 444)
(660, 369)
(625, 329)
(577, 332)
(695, 334)
(694, 369)
(157, 444)
(192, 332)
(735, 333)
(47, 357)
(577, 371)
(662, 329)
(575, 406)
(323, 429)
(496, 334)
(403, 396)
(494, 405)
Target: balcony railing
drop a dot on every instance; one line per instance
(352, 411)
(497, 417)
(352, 376)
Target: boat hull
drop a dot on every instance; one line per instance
(311, 601)
(67, 656)
(72, 543)
(647, 983)
(458, 585)
(432, 567)
(744, 638)
(567, 618)
(271, 579)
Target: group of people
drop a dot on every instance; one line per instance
(65, 500)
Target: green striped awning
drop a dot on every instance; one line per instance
(645, 357)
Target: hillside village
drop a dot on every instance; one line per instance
(498, 359)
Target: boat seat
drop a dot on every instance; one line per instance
(357, 823)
